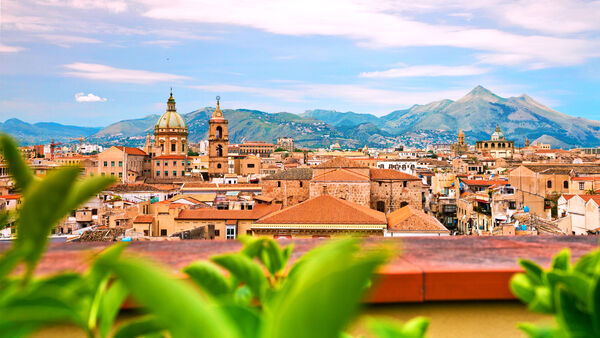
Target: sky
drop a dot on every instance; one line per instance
(95, 62)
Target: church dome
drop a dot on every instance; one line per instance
(171, 119)
(497, 135)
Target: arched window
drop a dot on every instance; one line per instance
(219, 151)
(549, 184)
(219, 132)
(403, 204)
(566, 184)
(219, 165)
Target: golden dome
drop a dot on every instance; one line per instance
(170, 119)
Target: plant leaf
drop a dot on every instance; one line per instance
(19, 170)
(533, 271)
(535, 331)
(169, 298)
(521, 286)
(110, 305)
(574, 282)
(139, 327)
(245, 270)
(575, 322)
(208, 277)
(324, 293)
(562, 260)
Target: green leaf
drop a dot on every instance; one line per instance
(140, 327)
(243, 295)
(589, 264)
(247, 320)
(19, 170)
(38, 213)
(533, 271)
(415, 328)
(542, 300)
(575, 283)
(272, 257)
(245, 270)
(208, 277)
(9, 260)
(534, 331)
(521, 286)
(324, 293)
(287, 253)
(572, 320)
(252, 246)
(595, 305)
(177, 306)
(83, 190)
(110, 305)
(562, 260)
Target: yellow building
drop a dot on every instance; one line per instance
(497, 146)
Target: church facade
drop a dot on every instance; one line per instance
(497, 147)
(218, 144)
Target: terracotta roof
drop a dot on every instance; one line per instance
(586, 178)
(391, 174)
(341, 175)
(177, 205)
(485, 183)
(132, 187)
(340, 162)
(10, 197)
(291, 174)
(567, 196)
(216, 214)
(132, 150)
(325, 209)
(409, 219)
(143, 219)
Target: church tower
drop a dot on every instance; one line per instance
(218, 143)
(170, 132)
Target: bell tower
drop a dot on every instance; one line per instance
(218, 142)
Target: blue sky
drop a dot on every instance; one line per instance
(94, 62)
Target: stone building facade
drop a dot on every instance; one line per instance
(392, 190)
(344, 184)
(289, 187)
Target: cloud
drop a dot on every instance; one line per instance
(82, 97)
(427, 70)
(115, 6)
(350, 93)
(67, 40)
(385, 24)
(111, 74)
(9, 49)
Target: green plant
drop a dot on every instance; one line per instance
(260, 296)
(569, 292)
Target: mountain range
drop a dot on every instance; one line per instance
(477, 113)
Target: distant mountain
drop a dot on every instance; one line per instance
(43, 132)
(477, 113)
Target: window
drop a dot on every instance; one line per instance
(219, 151)
(219, 165)
(581, 186)
(566, 184)
(163, 232)
(173, 145)
(112, 163)
(549, 184)
(512, 205)
(157, 173)
(250, 165)
(381, 206)
(182, 173)
(120, 163)
(157, 163)
(279, 184)
(182, 147)
(112, 174)
(106, 163)
(103, 174)
(230, 232)
(120, 175)
(403, 204)
(217, 232)
(183, 163)
(166, 173)
(404, 184)
(301, 184)
(174, 173)
(117, 223)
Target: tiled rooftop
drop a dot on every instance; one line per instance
(344, 175)
(391, 174)
(325, 209)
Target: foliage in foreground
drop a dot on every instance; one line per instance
(569, 292)
(318, 296)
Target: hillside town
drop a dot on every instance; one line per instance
(171, 189)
